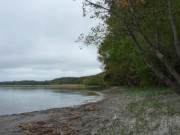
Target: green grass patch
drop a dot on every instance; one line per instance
(154, 109)
(148, 91)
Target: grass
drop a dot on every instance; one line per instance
(148, 92)
(154, 111)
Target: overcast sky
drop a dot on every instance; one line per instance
(37, 40)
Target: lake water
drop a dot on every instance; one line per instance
(26, 99)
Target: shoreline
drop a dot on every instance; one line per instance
(119, 112)
(15, 124)
(54, 86)
(100, 98)
(52, 109)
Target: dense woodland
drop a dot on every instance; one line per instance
(137, 40)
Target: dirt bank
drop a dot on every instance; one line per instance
(109, 116)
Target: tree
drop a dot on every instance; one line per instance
(142, 20)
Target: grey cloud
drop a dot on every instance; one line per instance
(37, 40)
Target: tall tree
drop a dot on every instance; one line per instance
(143, 21)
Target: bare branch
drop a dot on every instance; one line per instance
(97, 5)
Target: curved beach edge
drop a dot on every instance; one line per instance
(80, 119)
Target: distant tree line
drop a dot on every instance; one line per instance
(88, 80)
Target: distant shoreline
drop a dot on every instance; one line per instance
(56, 86)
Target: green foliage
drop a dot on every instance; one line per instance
(121, 59)
(25, 83)
(94, 80)
(64, 80)
(116, 76)
(123, 63)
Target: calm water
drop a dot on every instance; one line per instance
(27, 99)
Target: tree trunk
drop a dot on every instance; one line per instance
(174, 28)
(157, 33)
(162, 76)
(161, 57)
(157, 53)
